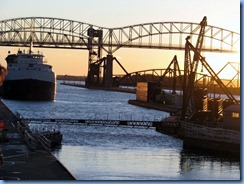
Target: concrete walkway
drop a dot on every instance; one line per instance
(22, 163)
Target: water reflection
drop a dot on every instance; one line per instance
(202, 165)
(117, 153)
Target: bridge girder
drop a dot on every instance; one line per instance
(61, 33)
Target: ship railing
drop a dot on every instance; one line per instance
(196, 131)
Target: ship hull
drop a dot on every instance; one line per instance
(28, 89)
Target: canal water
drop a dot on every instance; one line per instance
(120, 153)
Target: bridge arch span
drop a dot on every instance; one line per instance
(62, 33)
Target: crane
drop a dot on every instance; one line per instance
(190, 69)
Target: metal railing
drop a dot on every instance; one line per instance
(43, 141)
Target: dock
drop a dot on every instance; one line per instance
(20, 162)
(216, 139)
(117, 89)
(155, 106)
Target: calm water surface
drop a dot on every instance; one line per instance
(119, 153)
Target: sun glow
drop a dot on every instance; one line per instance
(226, 66)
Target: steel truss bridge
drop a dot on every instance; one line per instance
(49, 32)
(61, 33)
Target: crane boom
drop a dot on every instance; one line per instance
(190, 70)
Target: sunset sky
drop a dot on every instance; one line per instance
(114, 13)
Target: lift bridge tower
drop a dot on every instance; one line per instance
(100, 70)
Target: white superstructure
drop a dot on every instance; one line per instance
(29, 77)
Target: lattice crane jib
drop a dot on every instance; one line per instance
(190, 70)
(214, 75)
(173, 68)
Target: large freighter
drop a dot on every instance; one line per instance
(28, 78)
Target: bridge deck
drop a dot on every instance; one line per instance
(105, 122)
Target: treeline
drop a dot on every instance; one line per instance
(71, 78)
(166, 83)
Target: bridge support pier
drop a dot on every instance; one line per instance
(94, 73)
(108, 71)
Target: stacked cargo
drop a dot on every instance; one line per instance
(200, 99)
(142, 91)
(216, 107)
(170, 99)
(147, 91)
